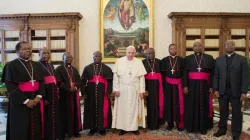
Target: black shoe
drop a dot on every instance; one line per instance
(219, 133)
(236, 138)
(77, 135)
(91, 132)
(122, 132)
(102, 132)
(136, 132)
(204, 133)
(189, 130)
(180, 129)
(169, 128)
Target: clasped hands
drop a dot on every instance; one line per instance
(117, 94)
(32, 103)
(72, 89)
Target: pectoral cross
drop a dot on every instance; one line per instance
(32, 82)
(130, 73)
(152, 73)
(96, 82)
(172, 70)
(199, 69)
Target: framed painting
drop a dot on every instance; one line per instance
(125, 23)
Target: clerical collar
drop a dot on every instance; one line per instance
(97, 64)
(232, 54)
(26, 60)
(197, 53)
(173, 56)
(67, 65)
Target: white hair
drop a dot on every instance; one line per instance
(130, 47)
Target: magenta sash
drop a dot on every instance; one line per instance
(203, 76)
(157, 76)
(105, 102)
(78, 104)
(49, 79)
(28, 87)
(181, 98)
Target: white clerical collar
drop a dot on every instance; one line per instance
(197, 53)
(229, 55)
(173, 56)
(26, 60)
(68, 65)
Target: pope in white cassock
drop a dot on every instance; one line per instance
(129, 86)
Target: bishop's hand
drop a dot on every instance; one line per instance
(30, 104)
(37, 100)
(185, 90)
(46, 102)
(217, 94)
(72, 89)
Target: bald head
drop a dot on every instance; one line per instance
(150, 52)
(97, 57)
(230, 42)
(197, 46)
(230, 46)
(44, 54)
(67, 58)
(130, 52)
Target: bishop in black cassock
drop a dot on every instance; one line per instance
(51, 114)
(155, 98)
(172, 71)
(70, 108)
(97, 109)
(25, 87)
(198, 89)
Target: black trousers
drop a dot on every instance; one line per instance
(236, 125)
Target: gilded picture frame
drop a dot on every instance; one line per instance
(125, 23)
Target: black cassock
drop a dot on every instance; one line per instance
(51, 114)
(97, 108)
(173, 97)
(153, 88)
(23, 123)
(70, 108)
(198, 105)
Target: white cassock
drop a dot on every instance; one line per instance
(128, 112)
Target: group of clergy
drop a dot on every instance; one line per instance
(44, 103)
